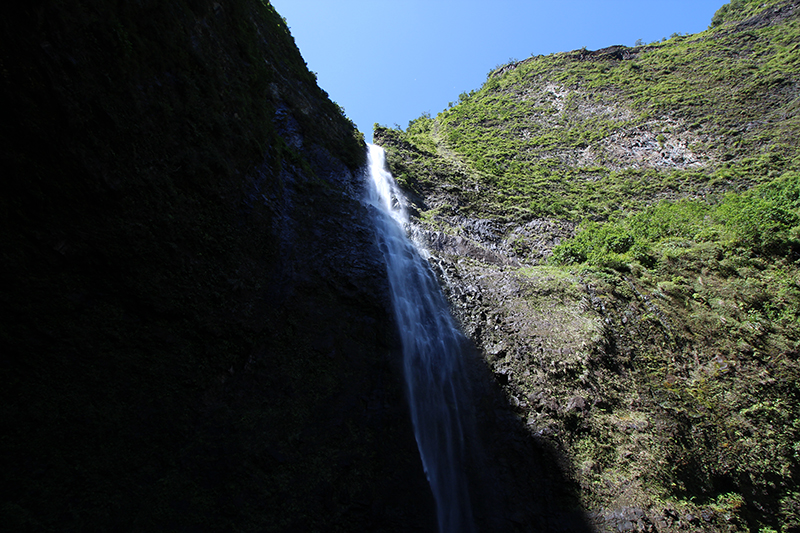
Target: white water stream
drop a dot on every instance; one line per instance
(432, 353)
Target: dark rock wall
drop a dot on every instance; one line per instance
(197, 333)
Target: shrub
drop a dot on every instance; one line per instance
(760, 225)
(762, 221)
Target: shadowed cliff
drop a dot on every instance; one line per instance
(197, 334)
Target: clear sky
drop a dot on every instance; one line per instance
(388, 61)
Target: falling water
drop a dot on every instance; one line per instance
(432, 353)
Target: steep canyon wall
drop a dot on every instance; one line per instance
(197, 332)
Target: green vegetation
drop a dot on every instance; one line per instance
(591, 133)
(761, 222)
(680, 162)
(725, 279)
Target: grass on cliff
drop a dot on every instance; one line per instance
(702, 232)
(725, 279)
(537, 134)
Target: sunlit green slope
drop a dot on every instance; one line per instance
(676, 163)
(587, 133)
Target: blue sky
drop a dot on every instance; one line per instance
(388, 61)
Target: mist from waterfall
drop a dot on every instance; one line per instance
(433, 353)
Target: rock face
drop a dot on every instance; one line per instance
(197, 332)
(560, 348)
(493, 242)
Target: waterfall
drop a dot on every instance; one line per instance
(433, 352)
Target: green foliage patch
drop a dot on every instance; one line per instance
(725, 280)
(763, 221)
(540, 133)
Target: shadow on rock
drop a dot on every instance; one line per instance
(520, 483)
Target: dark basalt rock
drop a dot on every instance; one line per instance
(198, 333)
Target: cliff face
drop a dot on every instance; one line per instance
(618, 231)
(197, 334)
(197, 331)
